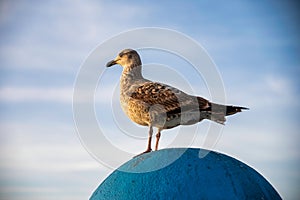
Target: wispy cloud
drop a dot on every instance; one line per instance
(63, 95)
(39, 160)
(279, 85)
(57, 38)
(36, 94)
(45, 159)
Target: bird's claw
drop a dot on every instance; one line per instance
(147, 151)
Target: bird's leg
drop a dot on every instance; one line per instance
(149, 140)
(149, 143)
(157, 139)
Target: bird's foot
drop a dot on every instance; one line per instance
(147, 151)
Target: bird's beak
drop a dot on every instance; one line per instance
(111, 63)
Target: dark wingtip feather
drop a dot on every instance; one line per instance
(230, 110)
(241, 108)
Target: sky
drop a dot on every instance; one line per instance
(254, 44)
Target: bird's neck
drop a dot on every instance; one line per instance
(132, 72)
(131, 76)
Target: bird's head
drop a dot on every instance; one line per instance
(126, 58)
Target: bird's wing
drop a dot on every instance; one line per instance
(171, 99)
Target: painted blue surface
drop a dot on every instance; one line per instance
(186, 176)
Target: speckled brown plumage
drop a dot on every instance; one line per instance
(159, 105)
(165, 101)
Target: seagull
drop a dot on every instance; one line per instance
(159, 105)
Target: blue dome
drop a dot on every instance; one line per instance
(183, 174)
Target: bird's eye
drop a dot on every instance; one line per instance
(130, 56)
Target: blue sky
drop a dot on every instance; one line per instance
(255, 45)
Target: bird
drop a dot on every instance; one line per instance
(158, 105)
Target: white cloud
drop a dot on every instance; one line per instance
(61, 36)
(39, 160)
(278, 84)
(36, 94)
(61, 152)
(268, 91)
(51, 95)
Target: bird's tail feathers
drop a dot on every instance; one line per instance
(218, 117)
(217, 112)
